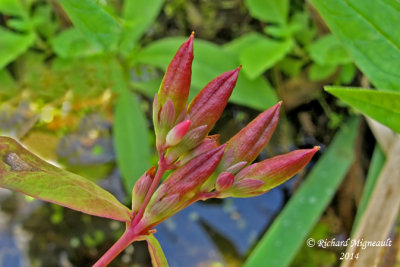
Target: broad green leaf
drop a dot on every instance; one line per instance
(94, 22)
(210, 60)
(383, 106)
(347, 73)
(157, 255)
(328, 51)
(72, 44)
(138, 16)
(131, 138)
(22, 171)
(13, 44)
(368, 36)
(12, 7)
(257, 53)
(375, 167)
(319, 72)
(262, 55)
(289, 230)
(269, 10)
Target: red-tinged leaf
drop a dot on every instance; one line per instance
(207, 106)
(157, 255)
(22, 171)
(176, 82)
(277, 170)
(248, 143)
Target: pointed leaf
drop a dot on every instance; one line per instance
(382, 106)
(22, 171)
(157, 255)
(12, 45)
(365, 29)
(94, 22)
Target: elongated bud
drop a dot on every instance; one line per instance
(247, 187)
(224, 181)
(196, 171)
(177, 133)
(207, 106)
(210, 142)
(165, 206)
(237, 167)
(248, 143)
(176, 81)
(279, 169)
(141, 187)
(167, 115)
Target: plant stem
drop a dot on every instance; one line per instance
(162, 167)
(123, 242)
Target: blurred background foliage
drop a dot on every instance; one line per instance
(77, 79)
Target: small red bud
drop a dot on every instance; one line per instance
(177, 133)
(246, 187)
(141, 187)
(224, 181)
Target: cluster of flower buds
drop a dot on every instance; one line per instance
(200, 168)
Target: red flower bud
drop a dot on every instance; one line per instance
(248, 143)
(141, 187)
(279, 169)
(207, 106)
(224, 181)
(247, 187)
(176, 81)
(208, 143)
(176, 134)
(195, 172)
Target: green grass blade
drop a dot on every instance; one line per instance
(377, 162)
(289, 230)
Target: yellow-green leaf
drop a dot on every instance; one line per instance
(22, 171)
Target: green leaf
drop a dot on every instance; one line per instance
(289, 230)
(12, 45)
(347, 73)
(138, 15)
(210, 60)
(269, 10)
(375, 167)
(131, 138)
(8, 86)
(12, 7)
(319, 72)
(328, 51)
(22, 171)
(72, 44)
(157, 255)
(94, 22)
(368, 36)
(258, 53)
(383, 106)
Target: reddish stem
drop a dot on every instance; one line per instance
(162, 167)
(123, 242)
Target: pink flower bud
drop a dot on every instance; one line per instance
(141, 187)
(167, 115)
(177, 133)
(207, 106)
(279, 169)
(248, 143)
(224, 181)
